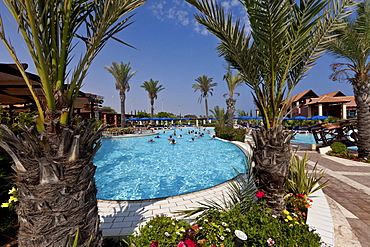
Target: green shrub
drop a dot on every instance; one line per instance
(302, 181)
(216, 228)
(230, 134)
(338, 147)
(164, 230)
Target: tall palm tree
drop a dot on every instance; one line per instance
(353, 45)
(286, 39)
(122, 75)
(205, 87)
(54, 160)
(233, 81)
(153, 89)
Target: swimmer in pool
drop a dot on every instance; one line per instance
(150, 140)
(173, 142)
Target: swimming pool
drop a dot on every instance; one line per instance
(304, 138)
(135, 169)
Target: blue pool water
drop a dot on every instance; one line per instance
(304, 138)
(134, 169)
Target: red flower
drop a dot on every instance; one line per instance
(154, 244)
(260, 194)
(189, 243)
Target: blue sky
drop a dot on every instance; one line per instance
(173, 49)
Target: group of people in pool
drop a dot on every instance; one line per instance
(173, 141)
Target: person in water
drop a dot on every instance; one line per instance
(173, 142)
(157, 136)
(150, 140)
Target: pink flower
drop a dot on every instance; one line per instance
(189, 243)
(270, 242)
(181, 244)
(260, 194)
(154, 244)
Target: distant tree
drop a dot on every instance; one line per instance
(233, 82)
(241, 113)
(108, 109)
(153, 89)
(122, 75)
(353, 45)
(165, 114)
(142, 114)
(205, 87)
(190, 116)
(220, 115)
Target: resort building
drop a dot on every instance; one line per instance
(335, 104)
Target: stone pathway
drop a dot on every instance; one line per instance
(348, 194)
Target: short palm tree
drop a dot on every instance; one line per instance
(233, 81)
(54, 159)
(153, 89)
(219, 114)
(286, 39)
(122, 75)
(205, 87)
(353, 45)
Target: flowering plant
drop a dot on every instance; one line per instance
(260, 194)
(298, 205)
(13, 199)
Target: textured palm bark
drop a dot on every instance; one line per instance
(123, 99)
(271, 156)
(230, 111)
(362, 97)
(56, 187)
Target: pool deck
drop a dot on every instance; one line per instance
(340, 213)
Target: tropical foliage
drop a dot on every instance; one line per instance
(122, 75)
(285, 40)
(219, 114)
(205, 86)
(54, 162)
(353, 44)
(153, 89)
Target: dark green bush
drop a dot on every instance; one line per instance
(230, 134)
(338, 147)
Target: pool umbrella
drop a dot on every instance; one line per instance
(131, 119)
(319, 118)
(144, 119)
(300, 118)
(286, 118)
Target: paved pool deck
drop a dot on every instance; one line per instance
(340, 213)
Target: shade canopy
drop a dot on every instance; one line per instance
(299, 118)
(319, 117)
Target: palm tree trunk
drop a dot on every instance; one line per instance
(271, 156)
(362, 97)
(152, 107)
(230, 102)
(56, 187)
(123, 110)
(206, 103)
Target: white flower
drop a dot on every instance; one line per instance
(166, 234)
(200, 228)
(150, 226)
(228, 230)
(173, 223)
(222, 237)
(177, 233)
(274, 216)
(205, 220)
(224, 224)
(182, 230)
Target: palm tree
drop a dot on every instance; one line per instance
(54, 159)
(153, 89)
(353, 44)
(220, 114)
(233, 81)
(121, 72)
(286, 39)
(205, 87)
